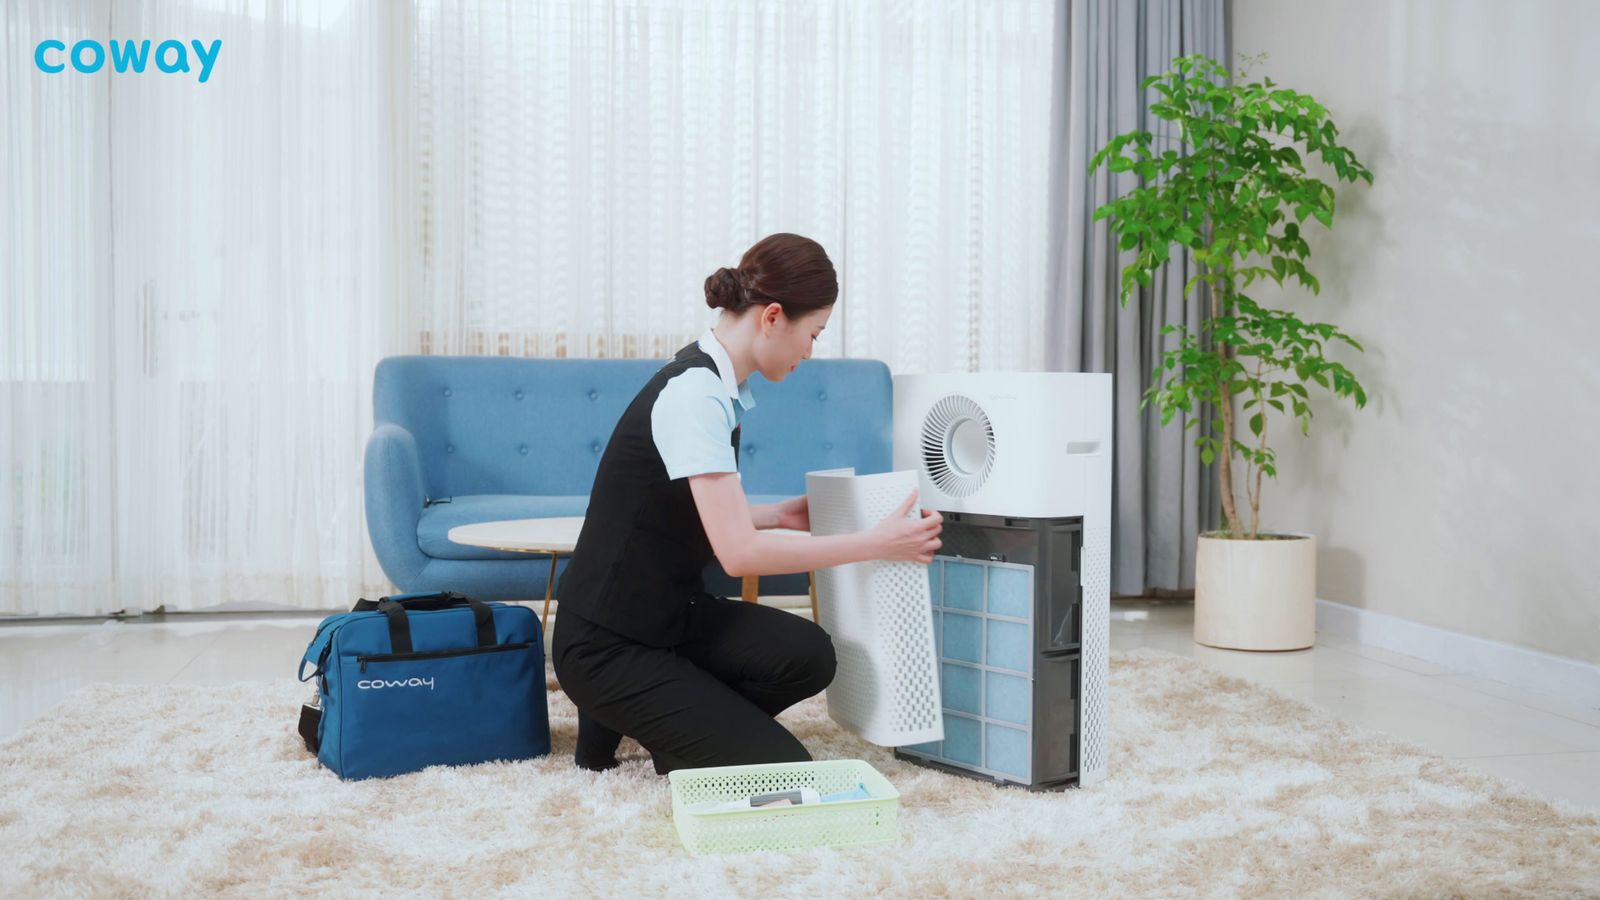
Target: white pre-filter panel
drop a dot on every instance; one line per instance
(886, 687)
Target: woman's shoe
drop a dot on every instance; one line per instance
(597, 745)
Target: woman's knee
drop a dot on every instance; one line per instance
(818, 659)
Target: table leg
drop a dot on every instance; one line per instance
(549, 591)
(811, 581)
(750, 588)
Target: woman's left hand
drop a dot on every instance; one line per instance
(795, 514)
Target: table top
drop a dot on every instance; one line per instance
(556, 534)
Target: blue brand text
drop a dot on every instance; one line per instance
(90, 56)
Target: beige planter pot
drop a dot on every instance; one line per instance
(1256, 595)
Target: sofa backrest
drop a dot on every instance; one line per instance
(507, 425)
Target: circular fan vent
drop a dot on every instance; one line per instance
(957, 445)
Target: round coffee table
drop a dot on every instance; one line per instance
(556, 536)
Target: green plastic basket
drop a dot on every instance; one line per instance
(844, 823)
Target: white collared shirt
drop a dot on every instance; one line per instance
(694, 416)
(719, 354)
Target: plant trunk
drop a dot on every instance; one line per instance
(1256, 470)
(1225, 463)
(1255, 496)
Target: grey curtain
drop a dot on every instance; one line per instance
(1162, 496)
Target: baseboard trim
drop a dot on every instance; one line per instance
(1531, 670)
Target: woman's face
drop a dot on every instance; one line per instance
(785, 342)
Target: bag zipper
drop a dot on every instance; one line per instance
(439, 654)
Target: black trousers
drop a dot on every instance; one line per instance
(707, 702)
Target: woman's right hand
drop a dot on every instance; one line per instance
(900, 539)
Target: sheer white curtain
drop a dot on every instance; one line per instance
(198, 281)
(582, 167)
(55, 284)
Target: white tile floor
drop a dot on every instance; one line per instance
(1547, 743)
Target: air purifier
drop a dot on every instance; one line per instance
(1019, 465)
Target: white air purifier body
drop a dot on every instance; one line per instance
(1031, 444)
(1020, 465)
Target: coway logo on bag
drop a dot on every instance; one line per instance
(373, 684)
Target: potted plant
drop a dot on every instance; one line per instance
(1235, 191)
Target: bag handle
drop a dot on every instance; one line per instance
(417, 600)
(400, 626)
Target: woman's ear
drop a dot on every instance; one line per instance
(770, 316)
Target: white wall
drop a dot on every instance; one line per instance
(1467, 494)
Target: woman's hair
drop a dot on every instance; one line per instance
(786, 269)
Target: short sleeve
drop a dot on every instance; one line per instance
(692, 423)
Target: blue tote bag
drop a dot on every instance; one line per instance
(427, 679)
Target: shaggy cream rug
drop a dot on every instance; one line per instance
(1218, 787)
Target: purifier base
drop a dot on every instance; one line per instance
(1049, 786)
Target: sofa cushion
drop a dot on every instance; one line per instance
(433, 529)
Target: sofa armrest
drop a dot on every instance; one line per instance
(395, 493)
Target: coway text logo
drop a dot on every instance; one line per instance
(90, 56)
(376, 684)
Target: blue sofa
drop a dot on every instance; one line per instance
(511, 438)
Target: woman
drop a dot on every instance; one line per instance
(640, 647)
